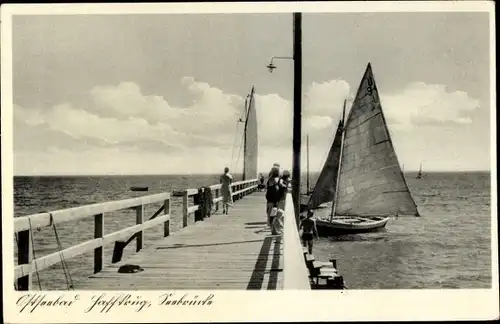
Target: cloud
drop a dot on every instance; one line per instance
(126, 100)
(323, 99)
(80, 124)
(121, 120)
(420, 104)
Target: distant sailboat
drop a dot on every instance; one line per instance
(369, 185)
(420, 174)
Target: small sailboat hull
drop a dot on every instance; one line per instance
(350, 225)
(139, 188)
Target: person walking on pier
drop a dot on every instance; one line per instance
(284, 187)
(309, 230)
(273, 195)
(286, 183)
(275, 166)
(227, 194)
(261, 185)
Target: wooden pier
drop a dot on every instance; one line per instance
(235, 251)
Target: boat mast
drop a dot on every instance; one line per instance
(334, 205)
(307, 143)
(248, 104)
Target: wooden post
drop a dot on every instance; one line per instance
(203, 205)
(297, 111)
(166, 225)
(217, 192)
(139, 219)
(98, 233)
(185, 205)
(24, 256)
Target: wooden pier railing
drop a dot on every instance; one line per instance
(239, 189)
(23, 227)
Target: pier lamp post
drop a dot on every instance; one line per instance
(271, 65)
(297, 107)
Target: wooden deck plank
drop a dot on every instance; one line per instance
(235, 251)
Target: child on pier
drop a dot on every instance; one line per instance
(308, 226)
(227, 195)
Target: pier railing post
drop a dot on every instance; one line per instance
(139, 219)
(185, 205)
(202, 203)
(237, 196)
(24, 256)
(217, 191)
(166, 225)
(197, 202)
(98, 233)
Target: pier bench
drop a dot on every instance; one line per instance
(323, 270)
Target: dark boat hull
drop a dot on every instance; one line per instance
(350, 225)
(139, 188)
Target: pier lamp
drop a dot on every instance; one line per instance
(271, 65)
(297, 106)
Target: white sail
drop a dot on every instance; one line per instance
(324, 190)
(251, 147)
(370, 179)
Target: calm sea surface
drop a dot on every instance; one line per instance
(448, 247)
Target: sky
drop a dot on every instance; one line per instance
(162, 93)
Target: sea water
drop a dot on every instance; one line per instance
(448, 247)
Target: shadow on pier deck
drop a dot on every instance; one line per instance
(234, 251)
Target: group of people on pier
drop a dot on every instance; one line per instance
(277, 186)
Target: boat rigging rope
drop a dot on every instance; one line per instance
(17, 243)
(241, 119)
(34, 256)
(234, 143)
(67, 273)
(239, 154)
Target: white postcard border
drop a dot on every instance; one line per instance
(348, 305)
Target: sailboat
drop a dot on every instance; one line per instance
(369, 184)
(250, 139)
(420, 174)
